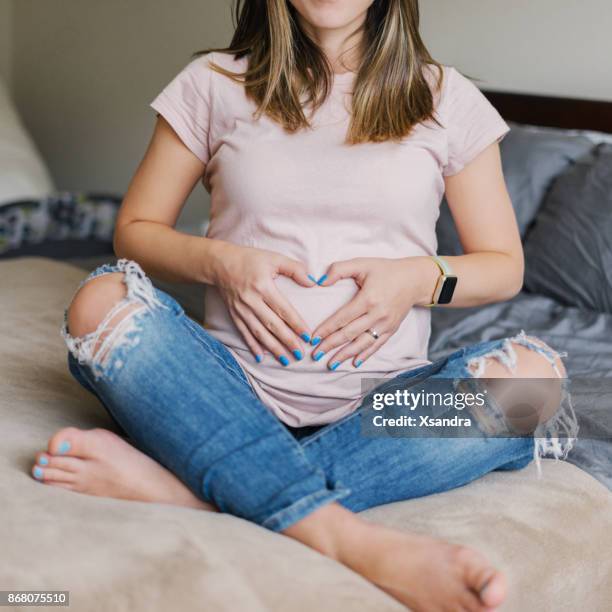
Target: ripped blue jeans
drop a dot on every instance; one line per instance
(179, 396)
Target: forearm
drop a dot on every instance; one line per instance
(483, 278)
(486, 277)
(168, 254)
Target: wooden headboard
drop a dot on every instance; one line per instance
(569, 113)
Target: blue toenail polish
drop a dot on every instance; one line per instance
(334, 365)
(358, 363)
(284, 360)
(318, 355)
(322, 279)
(258, 358)
(305, 337)
(298, 354)
(315, 340)
(312, 278)
(43, 461)
(38, 473)
(64, 447)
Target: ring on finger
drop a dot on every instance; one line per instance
(373, 333)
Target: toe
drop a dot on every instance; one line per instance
(42, 459)
(84, 443)
(68, 464)
(484, 580)
(494, 591)
(46, 474)
(67, 441)
(470, 602)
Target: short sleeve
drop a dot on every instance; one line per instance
(185, 103)
(472, 123)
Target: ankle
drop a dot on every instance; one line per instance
(332, 531)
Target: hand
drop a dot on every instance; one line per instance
(388, 289)
(265, 318)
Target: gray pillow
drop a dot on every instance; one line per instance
(568, 251)
(532, 158)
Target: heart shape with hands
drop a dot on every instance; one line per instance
(387, 289)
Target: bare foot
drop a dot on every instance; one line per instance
(428, 574)
(425, 574)
(99, 462)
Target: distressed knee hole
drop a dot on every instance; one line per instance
(546, 354)
(527, 380)
(93, 301)
(521, 357)
(103, 315)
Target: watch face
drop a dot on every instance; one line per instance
(448, 288)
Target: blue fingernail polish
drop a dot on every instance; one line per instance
(322, 279)
(43, 461)
(358, 363)
(38, 473)
(318, 355)
(258, 358)
(64, 447)
(305, 337)
(315, 340)
(284, 360)
(312, 278)
(298, 354)
(334, 365)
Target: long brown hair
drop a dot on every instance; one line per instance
(391, 92)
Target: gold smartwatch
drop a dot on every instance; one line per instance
(445, 287)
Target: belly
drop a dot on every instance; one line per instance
(313, 304)
(307, 392)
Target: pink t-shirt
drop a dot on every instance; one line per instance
(311, 197)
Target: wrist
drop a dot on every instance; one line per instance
(212, 254)
(427, 277)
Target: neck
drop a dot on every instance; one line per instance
(342, 45)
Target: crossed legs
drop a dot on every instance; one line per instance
(421, 572)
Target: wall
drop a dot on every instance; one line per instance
(85, 72)
(6, 26)
(544, 46)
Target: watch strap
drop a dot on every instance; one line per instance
(443, 265)
(445, 270)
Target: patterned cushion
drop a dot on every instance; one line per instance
(31, 226)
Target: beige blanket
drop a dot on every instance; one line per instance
(552, 536)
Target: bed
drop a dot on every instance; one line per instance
(584, 334)
(117, 555)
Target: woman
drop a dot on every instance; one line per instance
(326, 159)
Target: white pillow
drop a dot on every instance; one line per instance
(23, 173)
(593, 136)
